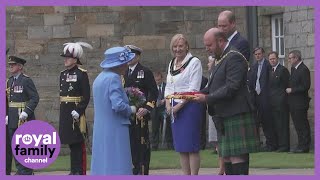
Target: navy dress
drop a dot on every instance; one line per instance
(186, 128)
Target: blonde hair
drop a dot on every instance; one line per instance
(176, 38)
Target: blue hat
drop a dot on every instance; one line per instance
(117, 56)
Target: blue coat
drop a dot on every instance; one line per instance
(111, 154)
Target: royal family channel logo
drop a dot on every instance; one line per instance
(36, 144)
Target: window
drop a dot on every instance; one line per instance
(278, 36)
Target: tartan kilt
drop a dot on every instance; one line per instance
(240, 136)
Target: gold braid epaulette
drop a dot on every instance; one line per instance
(231, 51)
(81, 69)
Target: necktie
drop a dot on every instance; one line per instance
(258, 88)
(129, 72)
(273, 69)
(159, 90)
(14, 80)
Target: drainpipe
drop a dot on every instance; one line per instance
(252, 27)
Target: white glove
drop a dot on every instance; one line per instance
(75, 115)
(133, 109)
(23, 115)
(6, 120)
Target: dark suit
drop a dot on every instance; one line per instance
(74, 83)
(157, 121)
(241, 44)
(228, 101)
(143, 79)
(262, 102)
(203, 132)
(299, 104)
(227, 88)
(24, 92)
(278, 82)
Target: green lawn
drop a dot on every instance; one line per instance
(170, 159)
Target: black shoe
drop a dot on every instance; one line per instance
(300, 151)
(214, 152)
(154, 148)
(268, 149)
(71, 173)
(282, 150)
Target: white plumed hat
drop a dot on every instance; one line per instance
(74, 50)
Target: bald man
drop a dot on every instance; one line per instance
(228, 102)
(227, 24)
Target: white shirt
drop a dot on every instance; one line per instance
(298, 65)
(187, 81)
(275, 67)
(133, 67)
(234, 33)
(17, 76)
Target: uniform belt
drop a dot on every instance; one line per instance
(17, 104)
(70, 99)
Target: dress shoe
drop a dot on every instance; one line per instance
(154, 148)
(214, 152)
(300, 151)
(282, 150)
(268, 149)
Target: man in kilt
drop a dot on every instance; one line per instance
(74, 98)
(228, 102)
(141, 77)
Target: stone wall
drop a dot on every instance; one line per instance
(38, 33)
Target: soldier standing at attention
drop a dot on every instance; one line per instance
(22, 99)
(140, 77)
(74, 98)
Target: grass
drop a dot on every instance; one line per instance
(170, 160)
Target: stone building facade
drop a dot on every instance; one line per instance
(38, 33)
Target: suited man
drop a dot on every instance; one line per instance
(141, 77)
(259, 88)
(22, 99)
(227, 24)
(158, 115)
(299, 86)
(227, 97)
(278, 82)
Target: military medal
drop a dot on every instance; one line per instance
(70, 87)
(71, 78)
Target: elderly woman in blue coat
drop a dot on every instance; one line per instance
(111, 153)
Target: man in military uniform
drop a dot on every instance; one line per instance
(74, 98)
(141, 77)
(23, 98)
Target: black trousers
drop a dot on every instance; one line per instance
(78, 158)
(265, 118)
(8, 153)
(281, 127)
(203, 130)
(157, 126)
(301, 124)
(21, 170)
(140, 146)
